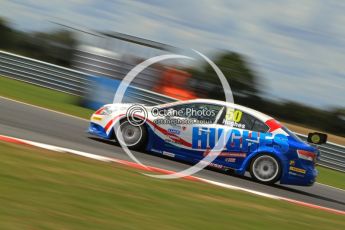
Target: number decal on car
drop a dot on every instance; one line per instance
(233, 115)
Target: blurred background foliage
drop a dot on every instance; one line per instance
(58, 47)
(55, 47)
(248, 90)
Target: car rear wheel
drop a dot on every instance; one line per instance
(132, 136)
(265, 168)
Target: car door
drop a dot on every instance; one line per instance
(243, 132)
(202, 129)
(177, 130)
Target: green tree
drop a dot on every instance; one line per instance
(56, 47)
(6, 37)
(244, 82)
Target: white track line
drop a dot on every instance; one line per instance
(329, 186)
(134, 165)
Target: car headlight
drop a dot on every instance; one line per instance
(106, 110)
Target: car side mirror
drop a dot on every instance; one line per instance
(317, 138)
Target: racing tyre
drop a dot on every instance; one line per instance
(265, 169)
(133, 136)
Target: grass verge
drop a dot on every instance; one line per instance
(47, 190)
(43, 97)
(66, 103)
(331, 177)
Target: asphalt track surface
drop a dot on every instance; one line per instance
(40, 125)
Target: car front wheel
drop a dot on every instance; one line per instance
(132, 136)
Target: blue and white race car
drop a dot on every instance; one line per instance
(190, 130)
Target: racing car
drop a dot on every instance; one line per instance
(190, 130)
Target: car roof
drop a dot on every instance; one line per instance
(261, 116)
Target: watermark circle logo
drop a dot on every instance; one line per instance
(136, 115)
(120, 92)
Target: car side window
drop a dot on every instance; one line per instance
(236, 118)
(239, 119)
(177, 110)
(199, 111)
(205, 112)
(259, 126)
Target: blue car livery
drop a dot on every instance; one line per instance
(240, 138)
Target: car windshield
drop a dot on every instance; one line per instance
(291, 134)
